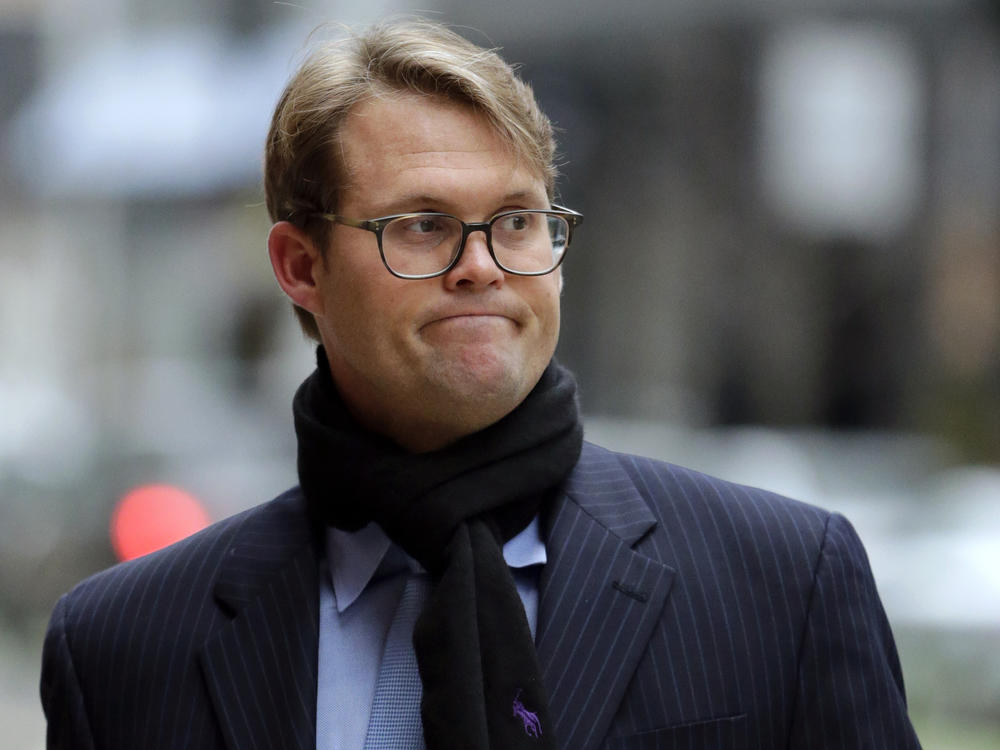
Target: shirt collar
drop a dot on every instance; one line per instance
(356, 556)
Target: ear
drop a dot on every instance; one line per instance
(296, 262)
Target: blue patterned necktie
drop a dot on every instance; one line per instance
(395, 718)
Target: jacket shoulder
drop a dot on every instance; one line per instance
(186, 568)
(123, 642)
(679, 497)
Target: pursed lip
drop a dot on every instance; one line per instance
(446, 315)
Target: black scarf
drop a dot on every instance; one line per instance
(452, 510)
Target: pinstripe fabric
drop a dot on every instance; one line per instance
(676, 611)
(208, 643)
(771, 634)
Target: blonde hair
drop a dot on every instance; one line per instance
(302, 169)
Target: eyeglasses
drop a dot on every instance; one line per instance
(427, 244)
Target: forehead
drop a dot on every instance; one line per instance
(405, 143)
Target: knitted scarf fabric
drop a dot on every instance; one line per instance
(452, 510)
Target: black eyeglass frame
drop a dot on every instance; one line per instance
(377, 226)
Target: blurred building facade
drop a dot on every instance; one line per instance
(792, 220)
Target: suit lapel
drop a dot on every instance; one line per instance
(261, 669)
(598, 599)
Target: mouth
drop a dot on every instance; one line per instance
(460, 316)
(470, 321)
(472, 316)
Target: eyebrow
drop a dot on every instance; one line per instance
(420, 202)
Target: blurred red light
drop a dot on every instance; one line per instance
(152, 516)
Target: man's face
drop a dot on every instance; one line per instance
(428, 361)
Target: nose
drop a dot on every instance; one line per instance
(475, 267)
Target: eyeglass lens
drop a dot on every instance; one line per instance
(529, 242)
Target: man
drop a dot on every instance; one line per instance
(563, 595)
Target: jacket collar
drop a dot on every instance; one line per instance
(599, 599)
(261, 668)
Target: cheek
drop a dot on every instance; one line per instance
(545, 304)
(349, 318)
(549, 303)
(378, 316)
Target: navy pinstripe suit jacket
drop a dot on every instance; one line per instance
(676, 611)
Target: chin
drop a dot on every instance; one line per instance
(487, 382)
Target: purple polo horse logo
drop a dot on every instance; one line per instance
(532, 726)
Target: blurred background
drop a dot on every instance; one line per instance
(789, 276)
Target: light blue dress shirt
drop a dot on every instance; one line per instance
(360, 584)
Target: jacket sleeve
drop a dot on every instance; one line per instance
(62, 699)
(850, 685)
